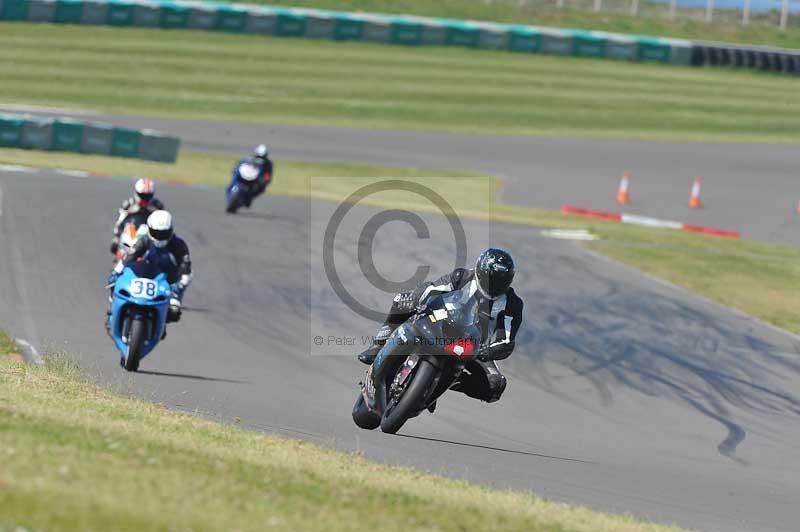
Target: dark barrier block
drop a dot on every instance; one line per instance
(94, 12)
(10, 131)
(587, 44)
(289, 24)
(231, 18)
(156, 146)
(738, 58)
(174, 16)
(37, 134)
(654, 50)
(125, 142)
(750, 59)
(765, 60)
(15, 9)
(462, 34)
(120, 13)
(42, 10)
(201, 17)
(97, 138)
(146, 14)
(725, 58)
(698, 55)
(69, 11)
(406, 32)
(261, 20)
(377, 29)
(67, 135)
(348, 27)
(524, 39)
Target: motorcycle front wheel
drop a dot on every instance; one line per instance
(135, 343)
(399, 410)
(234, 202)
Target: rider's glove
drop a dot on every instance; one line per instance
(114, 246)
(496, 352)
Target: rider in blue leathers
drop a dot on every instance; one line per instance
(261, 161)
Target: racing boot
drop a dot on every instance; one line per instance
(368, 355)
(174, 312)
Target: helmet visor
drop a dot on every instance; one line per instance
(160, 235)
(145, 196)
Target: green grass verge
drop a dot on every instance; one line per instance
(216, 76)
(8, 348)
(651, 21)
(754, 277)
(79, 457)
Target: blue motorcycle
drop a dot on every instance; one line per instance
(242, 190)
(138, 312)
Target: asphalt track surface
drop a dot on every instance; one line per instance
(751, 188)
(624, 394)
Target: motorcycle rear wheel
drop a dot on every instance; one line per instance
(135, 343)
(411, 401)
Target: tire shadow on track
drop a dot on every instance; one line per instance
(189, 376)
(631, 337)
(493, 448)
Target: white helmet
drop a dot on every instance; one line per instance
(159, 227)
(144, 189)
(261, 152)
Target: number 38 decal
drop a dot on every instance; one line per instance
(143, 288)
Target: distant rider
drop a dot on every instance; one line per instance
(500, 311)
(171, 255)
(263, 164)
(143, 203)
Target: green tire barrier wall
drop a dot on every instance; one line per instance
(407, 30)
(339, 25)
(63, 134)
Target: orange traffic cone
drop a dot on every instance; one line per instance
(694, 199)
(622, 193)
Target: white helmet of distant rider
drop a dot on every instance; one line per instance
(159, 227)
(144, 190)
(261, 152)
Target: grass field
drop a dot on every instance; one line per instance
(210, 75)
(652, 20)
(754, 277)
(77, 457)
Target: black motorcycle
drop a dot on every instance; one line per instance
(420, 361)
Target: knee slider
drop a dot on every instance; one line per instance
(497, 385)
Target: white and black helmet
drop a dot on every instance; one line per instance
(494, 272)
(261, 152)
(159, 227)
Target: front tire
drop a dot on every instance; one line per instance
(411, 400)
(136, 340)
(234, 203)
(363, 417)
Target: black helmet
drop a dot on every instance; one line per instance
(494, 272)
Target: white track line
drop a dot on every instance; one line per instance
(1, 201)
(33, 355)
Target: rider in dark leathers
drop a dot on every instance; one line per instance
(261, 161)
(143, 203)
(500, 312)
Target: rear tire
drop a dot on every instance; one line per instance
(411, 401)
(363, 417)
(135, 343)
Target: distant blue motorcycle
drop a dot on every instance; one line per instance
(242, 190)
(138, 312)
